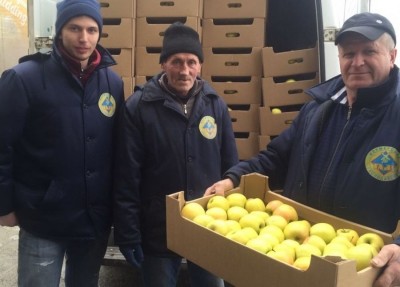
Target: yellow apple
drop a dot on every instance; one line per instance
(291, 242)
(277, 220)
(335, 249)
(239, 236)
(264, 215)
(253, 221)
(270, 238)
(203, 219)
(249, 232)
(236, 199)
(297, 230)
(350, 234)
(362, 254)
(343, 240)
(306, 250)
(324, 230)
(218, 201)
(217, 213)
(316, 241)
(219, 226)
(302, 263)
(233, 225)
(236, 212)
(259, 245)
(272, 205)
(286, 248)
(287, 211)
(254, 204)
(290, 80)
(274, 230)
(276, 111)
(191, 209)
(373, 239)
(281, 256)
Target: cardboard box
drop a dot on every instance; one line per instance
(125, 62)
(245, 118)
(235, 9)
(232, 62)
(150, 30)
(129, 83)
(244, 267)
(147, 61)
(169, 8)
(233, 32)
(141, 80)
(237, 90)
(247, 145)
(118, 33)
(289, 63)
(118, 8)
(263, 141)
(286, 93)
(273, 124)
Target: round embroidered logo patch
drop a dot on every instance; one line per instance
(107, 104)
(208, 127)
(382, 163)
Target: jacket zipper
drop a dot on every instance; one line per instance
(334, 154)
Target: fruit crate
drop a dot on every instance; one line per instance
(242, 266)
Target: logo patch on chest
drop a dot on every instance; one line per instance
(208, 127)
(382, 163)
(107, 104)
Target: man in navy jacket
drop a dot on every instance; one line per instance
(57, 117)
(341, 154)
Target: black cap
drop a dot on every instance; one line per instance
(179, 38)
(370, 25)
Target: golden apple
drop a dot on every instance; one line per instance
(272, 205)
(342, 239)
(277, 220)
(297, 230)
(306, 250)
(239, 236)
(335, 249)
(236, 199)
(192, 209)
(324, 230)
(291, 242)
(281, 256)
(236, 212)
(350, 234)
(373, 239)
(203, 219)
(362, 254)
(253, 221)
(233, 225)
(274, 230)
(218, 201)
(316, 241)
(287, 211)
(254, 204)
(302, 263)
(286, 248)
(276, 111)
(218, 226)
(259, 245)
(217, 213)
(264, 215)
(270, 238)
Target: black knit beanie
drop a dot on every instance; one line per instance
(68, 9)
(179, 38)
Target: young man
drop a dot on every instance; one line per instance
(341, 154)
(58, 113)
(176, 135)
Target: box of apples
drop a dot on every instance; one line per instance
(252, 236)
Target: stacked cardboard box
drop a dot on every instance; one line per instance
(118, 37)
(153, 18)
(286, 76)
(233, 37)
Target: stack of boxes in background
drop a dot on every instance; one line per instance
(232, 39)
(152, 18)
(118, 37)
(252, 77)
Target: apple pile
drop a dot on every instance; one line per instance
(275, 229)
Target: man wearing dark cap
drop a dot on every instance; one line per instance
(58, 112)
(341, 154)
(176, 134)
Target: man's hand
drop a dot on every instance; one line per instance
(219, 187)
(8, 220)
(133, 254)
(389, 259)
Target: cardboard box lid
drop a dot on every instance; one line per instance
(244, 267)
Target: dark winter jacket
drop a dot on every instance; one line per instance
(56, 146)
(363, 178)
(161, 152)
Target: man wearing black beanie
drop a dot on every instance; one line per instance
(58, 112)
(176, 134)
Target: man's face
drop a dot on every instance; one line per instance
(181, 70)
(79, 37)
(364, 63)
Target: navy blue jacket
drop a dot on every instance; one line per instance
(365, 187)
(161, 152)
(56, 146)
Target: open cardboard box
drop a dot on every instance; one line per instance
(244, 267)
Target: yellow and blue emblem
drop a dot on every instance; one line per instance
(107, 104)
(382, 163)
(208, 127)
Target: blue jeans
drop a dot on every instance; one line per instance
(163, 272)
(40, 261)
